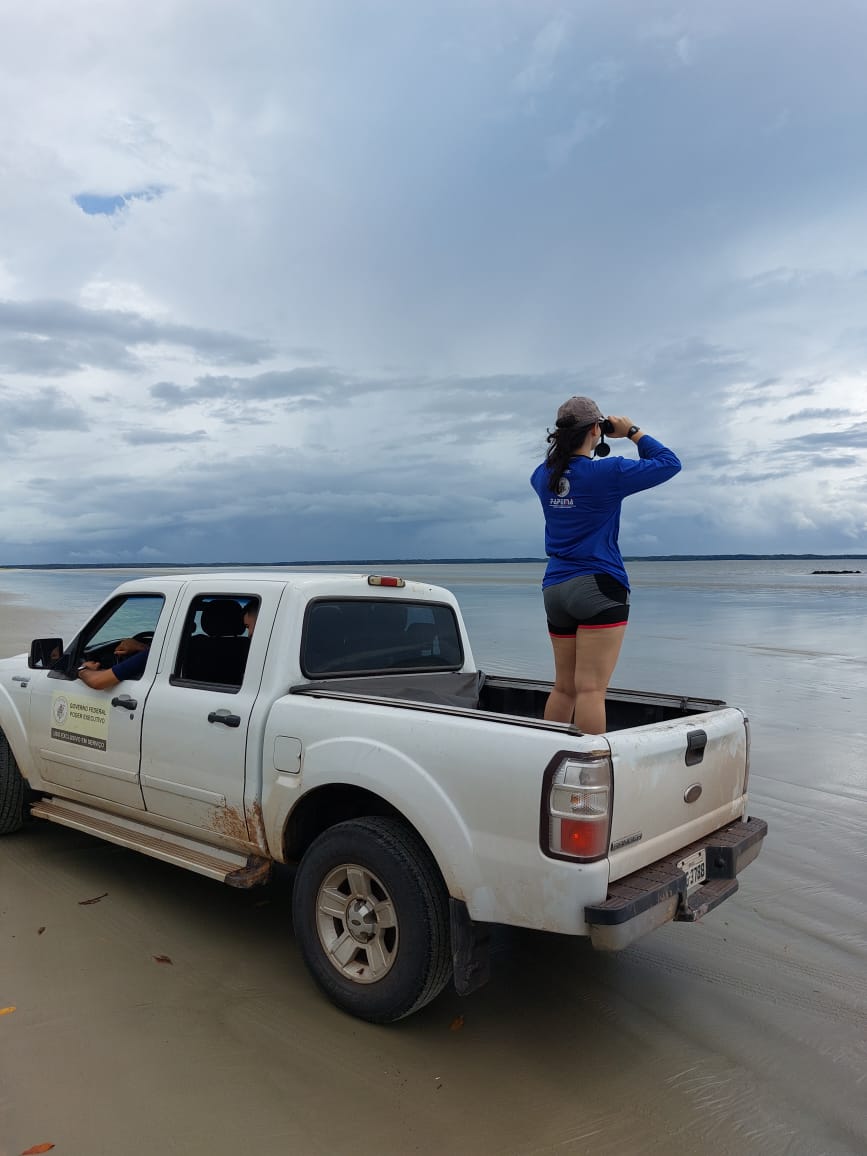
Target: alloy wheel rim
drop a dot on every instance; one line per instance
(357, 924)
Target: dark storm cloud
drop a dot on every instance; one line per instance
(59, 337)
(264, 508)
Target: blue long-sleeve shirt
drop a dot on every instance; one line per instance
(132, 667)
(582, 521)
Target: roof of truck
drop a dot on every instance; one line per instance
(299, 579)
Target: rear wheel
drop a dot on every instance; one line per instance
(371, 919)
(13, 791)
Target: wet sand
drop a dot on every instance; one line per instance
(21, 623)
(746, 1033)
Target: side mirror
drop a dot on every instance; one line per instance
(45, 653)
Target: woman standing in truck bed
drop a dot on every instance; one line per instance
(586, 587)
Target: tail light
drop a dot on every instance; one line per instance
(747, 767)
(578, 808)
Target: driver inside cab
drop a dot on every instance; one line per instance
(131, 657)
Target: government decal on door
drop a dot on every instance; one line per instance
(80, 721)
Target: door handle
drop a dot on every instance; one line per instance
(24, 679)
(124, 701)
(225, 717)
(696, 741)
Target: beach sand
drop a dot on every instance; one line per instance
(174, 1016)
(20, 624)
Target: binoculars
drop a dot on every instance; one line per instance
(603, 449)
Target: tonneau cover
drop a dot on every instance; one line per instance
(441, 688)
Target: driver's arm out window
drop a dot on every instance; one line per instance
(132, 618)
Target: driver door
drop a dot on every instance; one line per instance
(88, 742)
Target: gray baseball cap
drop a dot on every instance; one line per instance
(579, 411)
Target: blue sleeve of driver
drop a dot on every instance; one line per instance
(132, 667)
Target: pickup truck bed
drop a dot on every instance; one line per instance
(514, 698)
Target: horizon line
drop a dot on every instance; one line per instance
(449, 561)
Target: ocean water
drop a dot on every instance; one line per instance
(787, 645)
(694, 626)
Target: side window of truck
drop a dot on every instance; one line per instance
(343, 636)
(120, 629)
(215, 641)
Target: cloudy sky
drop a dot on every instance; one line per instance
(302, 281)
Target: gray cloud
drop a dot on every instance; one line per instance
(155, 437)
(830, 441)
(45, 408)
(58, 337)
(222, 510)
(819, 414)
(316, 384)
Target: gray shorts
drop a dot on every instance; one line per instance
(590, 601)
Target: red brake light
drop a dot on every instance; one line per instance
(577, 807)
(382, 580)
(584, 839)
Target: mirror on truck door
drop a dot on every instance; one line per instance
(45, 653)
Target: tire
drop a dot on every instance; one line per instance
(372, 920)
(13, 791)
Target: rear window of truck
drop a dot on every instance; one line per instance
(343, 636)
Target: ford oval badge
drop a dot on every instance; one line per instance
(692, 792)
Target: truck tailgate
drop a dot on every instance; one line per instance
(675, 782)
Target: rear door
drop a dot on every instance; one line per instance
(194, 741)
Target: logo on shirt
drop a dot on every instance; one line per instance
(563, 487)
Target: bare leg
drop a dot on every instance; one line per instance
(560, 706)
(596, 654)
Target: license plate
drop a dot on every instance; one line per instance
(694, 868)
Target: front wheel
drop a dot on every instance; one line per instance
(13, 791)
(371, 919)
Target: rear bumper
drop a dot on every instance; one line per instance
(640, 902)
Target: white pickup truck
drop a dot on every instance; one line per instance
(353, 736)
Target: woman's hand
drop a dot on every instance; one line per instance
(621, 426)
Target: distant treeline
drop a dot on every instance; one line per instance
(109, 565)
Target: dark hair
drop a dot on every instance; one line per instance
(563, 441)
